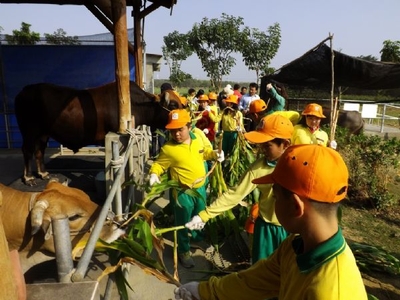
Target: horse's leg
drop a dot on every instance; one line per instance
(40, 148)
(27, 151)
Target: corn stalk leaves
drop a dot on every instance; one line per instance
(373, 258)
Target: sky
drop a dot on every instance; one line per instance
(359, 27)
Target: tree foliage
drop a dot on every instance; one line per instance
(259, 48)
(24, 36)
(176, 49)
(390, 51)
(214, 41)
(59, 37)
(368, 57)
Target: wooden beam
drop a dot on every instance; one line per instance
(106, 21)
(118, 8)
(137, 44)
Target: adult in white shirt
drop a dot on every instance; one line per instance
(246, 99)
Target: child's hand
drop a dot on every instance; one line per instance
(220, 155)
(154, 179)
(333, 144)
(187, 291)
(196, 223)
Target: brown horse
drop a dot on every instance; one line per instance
(77, 118)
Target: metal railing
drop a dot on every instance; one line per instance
(139, 138)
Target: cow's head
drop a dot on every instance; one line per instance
(57, 201)
(168, 100)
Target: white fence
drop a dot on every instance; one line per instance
(377, 112)
(373, 113)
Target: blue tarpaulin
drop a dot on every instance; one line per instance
(80, 66)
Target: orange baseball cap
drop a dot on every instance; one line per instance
(178, 118)
(203, 98)
(257, 106)
(269, 128)
(212, 96)
(313, 109)
(232, 98)
(311, 171)
(183, 100)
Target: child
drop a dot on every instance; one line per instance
(204, 120)
(215, 109)
(231, 123)
(315, 262)
(273, 137)
(183, 157)
(308, 131)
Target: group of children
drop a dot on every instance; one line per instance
(298, 248)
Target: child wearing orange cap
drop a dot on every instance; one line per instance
(231, 123)
(258, 110)
(183, 157)
(214, 108)
(308, 131)
(272, 137)
(314, 262)
(205, 119)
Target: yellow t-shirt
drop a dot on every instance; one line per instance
(329, 272)
(303, 135)
(184, 161)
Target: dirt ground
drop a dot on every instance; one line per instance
(146, 287)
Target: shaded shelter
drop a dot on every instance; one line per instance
(313, 69)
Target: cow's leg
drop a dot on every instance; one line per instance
(40, 148)
(27, 151)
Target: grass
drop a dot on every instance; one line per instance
(378, 228)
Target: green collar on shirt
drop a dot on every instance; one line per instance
(191, 134)
(271, 163)
(323, 253)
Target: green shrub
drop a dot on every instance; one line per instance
(372, 163)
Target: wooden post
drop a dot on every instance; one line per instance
(137, 43)
(118, 8)
(334, 101)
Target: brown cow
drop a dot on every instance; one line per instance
(27, 220)
(77, 118)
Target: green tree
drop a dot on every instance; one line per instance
(214, 41)
(368, 57)
(176, 49)
(59, 37)
(390, 51)
(259, 48)
(24, 36)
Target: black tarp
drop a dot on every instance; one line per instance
(313, 69)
